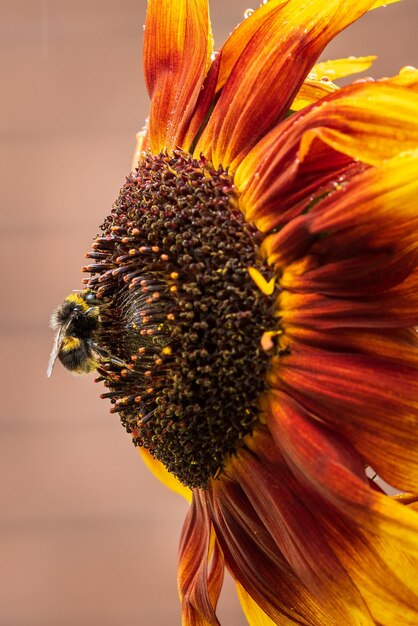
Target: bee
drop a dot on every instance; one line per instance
(76, 322)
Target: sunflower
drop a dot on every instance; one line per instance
(257, 285)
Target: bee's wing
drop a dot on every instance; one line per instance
(55, 350)
(61, 332)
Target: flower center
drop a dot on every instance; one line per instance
(180, 308)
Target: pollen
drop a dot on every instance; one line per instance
(182, 307)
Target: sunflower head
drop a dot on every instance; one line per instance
(255, 299)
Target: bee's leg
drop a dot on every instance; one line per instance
(105, 356)
(115, 361)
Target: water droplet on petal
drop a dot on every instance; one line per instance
(247, 13)
(407, 68)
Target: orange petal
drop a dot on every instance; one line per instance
(380, 202)
(396, 308)
(368, 141)
(400, 346)
(370, 122)
(177, 46)
(159, 471)
(297, 534)
(269, 72)
(240, 38)
(203, 105)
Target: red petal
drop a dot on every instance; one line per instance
(370, 400)
(199, 595)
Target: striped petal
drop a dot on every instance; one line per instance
(368, 232)
(370, 400)
(356, 278)
(269, 72)
(177, 47)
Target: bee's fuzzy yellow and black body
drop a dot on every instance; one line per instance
(76, 321)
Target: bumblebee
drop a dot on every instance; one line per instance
(76, 322)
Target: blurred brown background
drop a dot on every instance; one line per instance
(87, 536)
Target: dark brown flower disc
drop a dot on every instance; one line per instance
(180, 308)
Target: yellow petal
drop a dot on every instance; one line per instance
(311, 91)
(164, 476)
(338, 68)
(382, 3)
(319, 81)
(255, 616)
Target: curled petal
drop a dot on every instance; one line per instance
(367, 122)
(363, 236)
(177, 46)
(199, 591)
(255, 562)
(367, 139)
